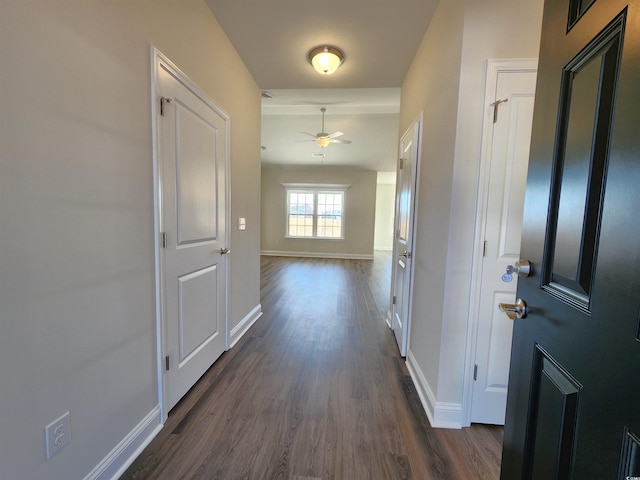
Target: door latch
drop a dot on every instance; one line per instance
(514, 310)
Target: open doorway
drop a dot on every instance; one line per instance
(366, 123)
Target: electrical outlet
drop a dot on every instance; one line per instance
(242, 223)
(57, 435)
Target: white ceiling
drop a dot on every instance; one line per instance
(367, 117)
(379, 38)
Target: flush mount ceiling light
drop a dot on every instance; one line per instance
(326, 59)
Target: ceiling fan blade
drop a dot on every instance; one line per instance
(323, 139)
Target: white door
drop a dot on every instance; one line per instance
(506, 159)
(403, 238)
(192, 161)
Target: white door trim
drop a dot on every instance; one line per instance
(158, 58)
(494, 67)
(416, 124)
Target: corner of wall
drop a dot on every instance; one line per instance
(127, 450)
(440, 414)
(244, 325)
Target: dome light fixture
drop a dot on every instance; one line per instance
(326, 59)
(323, 142)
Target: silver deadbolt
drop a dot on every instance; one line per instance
(514, 310)
(522, 268)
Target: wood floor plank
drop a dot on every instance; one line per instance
(315, 390)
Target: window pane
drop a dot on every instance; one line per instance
(330, 215)
(301, 225)
(308, 203)
(315, 214)
(329, 226)
(301, 203)
(300, 214)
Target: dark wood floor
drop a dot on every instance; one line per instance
(315, 390)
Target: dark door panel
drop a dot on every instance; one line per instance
(573, 409)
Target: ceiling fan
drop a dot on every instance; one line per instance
(323, 139)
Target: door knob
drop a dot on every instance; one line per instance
(514, 310)
(224, 251)
(522, 268)
(406, 254)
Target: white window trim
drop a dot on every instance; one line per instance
(315, 188)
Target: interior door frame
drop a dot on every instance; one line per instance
(158, 58)
(494, 67)
(416, 124)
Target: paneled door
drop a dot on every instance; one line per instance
(507, 130)
(573, 407)
(192, 160)
(403, 236)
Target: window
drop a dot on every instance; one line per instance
(315, 211)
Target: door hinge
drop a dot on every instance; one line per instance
(475, 372)
(484, 248)
(164, 239)
(166, 363)
(162, 102)
(395, 300)
(401, 163)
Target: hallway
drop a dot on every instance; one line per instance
(315, 390)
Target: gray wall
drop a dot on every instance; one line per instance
(446, 82)
(77, 298)
(359, 213)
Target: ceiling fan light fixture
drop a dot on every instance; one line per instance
(326, 59)
(323, 142)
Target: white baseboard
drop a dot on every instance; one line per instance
(239, 330)
(122, 456)
(440, 414)
(346, 256)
